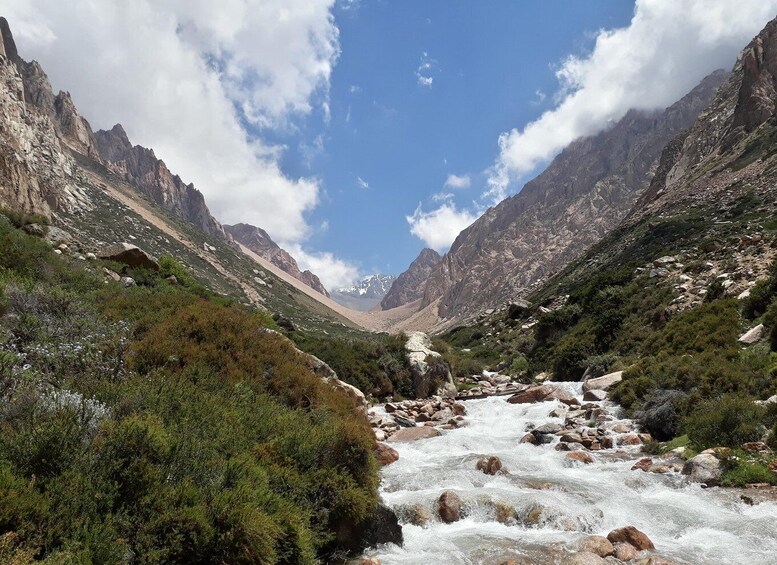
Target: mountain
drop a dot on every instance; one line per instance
(259, 241)
(97, 189)
(140, 167)
(583, 194)
(366, 294)
(409, 286)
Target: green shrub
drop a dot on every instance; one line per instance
(744, 473)
(728, 421)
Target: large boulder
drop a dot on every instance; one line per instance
(413, 434)
(449, 507)
(599, 545)
(385, 454)
(431, 375)
(491, 465)
(130, 255)
(541, 393)
(753, 335)
(705, 468)
(603, 383)
(632, 536)
(381, 526)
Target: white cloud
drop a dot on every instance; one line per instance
(442, 196)
(665, 51)
(183, 76)
(439, 227)
(458, 181)
(363, 184)
(333, 272)
(423, 73)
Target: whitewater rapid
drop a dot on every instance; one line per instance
(686, 523)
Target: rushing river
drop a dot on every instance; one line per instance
(686, 523)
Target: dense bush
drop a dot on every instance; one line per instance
(162, 423)
(730, 421)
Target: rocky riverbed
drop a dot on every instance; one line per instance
(554, 474)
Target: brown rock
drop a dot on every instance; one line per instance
(533, 394)
(643, 464)
(449, 507)
(504, 512)
(130, 255)
(599, 545)
(529, 438)
(631, 535)
(371, 561)
(413, 434)
(624, 551)
(490, 465)
(629, 439)
(581, 456)
(385, 454)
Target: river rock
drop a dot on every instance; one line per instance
(541, 393)
(584, 558)
(413, 434)
(416, 514)
(704, 468)
(603, 383)
(599, 545)
(386, 455)
(624, 551)
(643, 464)
(595, 395)
(529, 438)
(449, 507)
(547, 429)
(490, 465)
(130, 255)
(371, 561)
(505, 514)
(631, 535)
(581, 456)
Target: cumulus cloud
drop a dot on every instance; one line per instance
(185, 76)
(458, 181)
(423, 73)
(439, 227)
(333, 272)
(667, 48)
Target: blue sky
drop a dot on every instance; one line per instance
(334, 124)
(491, 65)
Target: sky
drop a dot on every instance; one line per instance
(357, 132)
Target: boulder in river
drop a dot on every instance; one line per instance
(631, 535)
(603, 383)
(413, 434)
(599, 545)
(490, 465)
(580, 456)
(449, 507)
(584, 558)
(594, 395)
(385, 455)
(624, 551)
(542, 393)
(704, 468)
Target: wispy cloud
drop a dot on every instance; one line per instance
(458, 181)
(363, 184)
(425, 70)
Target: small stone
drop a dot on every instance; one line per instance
(599, 545)
(581, 456)
(449, 507)
(631, 535)
(490, 465)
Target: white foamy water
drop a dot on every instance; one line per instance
(686, 523)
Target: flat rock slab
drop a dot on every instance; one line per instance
(413, 434)
(603, 383)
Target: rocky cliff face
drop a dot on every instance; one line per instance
(260, 242)
(583, 194)
(409, 286)
(141, 168)
(36, 173)
(726, 150)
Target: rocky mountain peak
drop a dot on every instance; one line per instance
(260, 242)
(409, 286)
(8, 45)
(583, 194)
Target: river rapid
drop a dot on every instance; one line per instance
(557, 502)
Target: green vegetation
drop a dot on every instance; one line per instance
(162, 421)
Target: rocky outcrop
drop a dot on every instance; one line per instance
(582, 195)
(260, 242)
(431, 375)
(130, 255)
(36, 173)
(705, 468)
(409, 286)
(140, 167)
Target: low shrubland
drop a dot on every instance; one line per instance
(162, 424)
